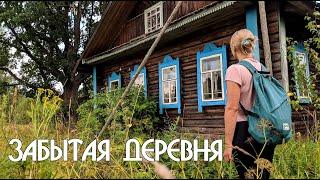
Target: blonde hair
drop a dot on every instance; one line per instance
(242, 41)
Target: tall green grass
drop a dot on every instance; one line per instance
(299, 158)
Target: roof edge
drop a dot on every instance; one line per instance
(188, 19)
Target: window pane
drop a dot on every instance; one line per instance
(140, 80)
(216, 81)
(207, 86)
(154, 14)
(169, 73)
(301, 57)
(158, 18)
(166, 91)
(149, 23)
(153, 21)
(302, 84)
(212, 63)
(173, 93)
(114, 85)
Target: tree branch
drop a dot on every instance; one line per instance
(25, 48)
(17, 78)
(77, 28)
(35, 59)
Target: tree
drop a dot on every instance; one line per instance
(46, 39)
(5, 83)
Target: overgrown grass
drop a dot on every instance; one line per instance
(299, 158)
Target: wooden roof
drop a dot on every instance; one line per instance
(117, 13)
(114, 16)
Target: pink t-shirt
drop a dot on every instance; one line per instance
(242, 76)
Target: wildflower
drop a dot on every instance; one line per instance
(250, 174)
(298, 136)
(290, 94)
(264, 124)
(264, 164)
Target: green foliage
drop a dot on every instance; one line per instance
(314, 27)
(20, 113)
(298, 159)
(295, 159)
(308, 85)
(42, 110)
(137, 113)
(14, 107)
(45, 39)
(5, 82)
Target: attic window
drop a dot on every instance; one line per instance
(153, 18)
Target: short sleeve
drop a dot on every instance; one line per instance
(233, 74)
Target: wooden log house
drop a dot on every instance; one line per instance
(186, 70)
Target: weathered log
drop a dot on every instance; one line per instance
(265, 36)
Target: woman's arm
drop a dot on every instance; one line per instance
(230, 115)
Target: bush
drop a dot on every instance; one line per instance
(15, 106)
(137, 114)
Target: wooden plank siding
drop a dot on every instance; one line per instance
(185, 48)
(211, 120)
(134, 28)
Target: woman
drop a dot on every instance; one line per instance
(240, 90)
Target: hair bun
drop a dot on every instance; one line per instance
(247, 45)
(246, 42)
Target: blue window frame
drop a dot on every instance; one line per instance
(94, 84)
(211, 69)
(94, 80)
(302, 55)
(252, 25)
(169, 84)
(141, 79)
(114, 81)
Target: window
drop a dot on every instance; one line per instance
(114, 85)
(211, 68)
(114, 81)
(141, 79)
(302, 56)
(169, 84)
(211, 73)
(153, 18)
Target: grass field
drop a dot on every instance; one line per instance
(298, 159)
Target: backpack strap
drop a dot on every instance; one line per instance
(249, 66)
(247, 112)
(252, 69)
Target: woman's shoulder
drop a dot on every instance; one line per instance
(234, 70)
(235, 67)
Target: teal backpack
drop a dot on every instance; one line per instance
(270, 117)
